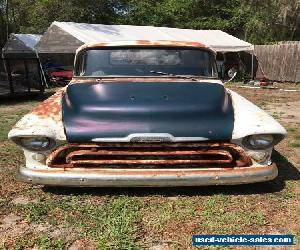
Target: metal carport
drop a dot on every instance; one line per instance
(63, 38)
(22, 63)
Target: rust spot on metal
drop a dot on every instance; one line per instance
(97, 45)
(144, 162)
(143, 43)
(94, 151)
(50, 108)
(171, 43)
(149, 156)
(162, 172)
(103, 80)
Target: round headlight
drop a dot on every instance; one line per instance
(259, 141)
(35, 143)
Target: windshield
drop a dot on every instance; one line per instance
(145, 62)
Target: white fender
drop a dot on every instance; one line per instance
(250, 119)
(34, 125)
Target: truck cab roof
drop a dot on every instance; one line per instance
(144, 43)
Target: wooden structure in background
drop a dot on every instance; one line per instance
(280, 62)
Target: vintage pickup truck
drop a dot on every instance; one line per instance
(146, 113)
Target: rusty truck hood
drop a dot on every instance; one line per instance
(113, 110)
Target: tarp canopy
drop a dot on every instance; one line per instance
(22, 66)
(21, 43)
(68, 36)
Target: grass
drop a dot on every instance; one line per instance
(158, 215)
(139, 218)
(110, 225)
(294, 133)
(8, 119)
(219, 216)
(45, 242)
(296, 141)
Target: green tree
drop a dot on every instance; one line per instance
(257, 21)
(3, 22)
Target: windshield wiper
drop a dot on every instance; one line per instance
(173, 75)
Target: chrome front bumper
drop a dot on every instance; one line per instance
(147, 177)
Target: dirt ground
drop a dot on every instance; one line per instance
(36, 217)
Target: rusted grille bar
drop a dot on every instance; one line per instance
(149, 155)
(126, 152)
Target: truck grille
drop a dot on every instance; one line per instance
(149, 155)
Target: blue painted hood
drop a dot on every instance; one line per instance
(116, 110)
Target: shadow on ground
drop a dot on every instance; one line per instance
(287, 171)
(12, 99)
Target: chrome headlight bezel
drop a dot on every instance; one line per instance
(260, 141)
(35, 143)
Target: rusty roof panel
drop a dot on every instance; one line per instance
(167, 43)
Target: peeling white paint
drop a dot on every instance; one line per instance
(33, 125)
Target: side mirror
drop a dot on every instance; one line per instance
(232, 74)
